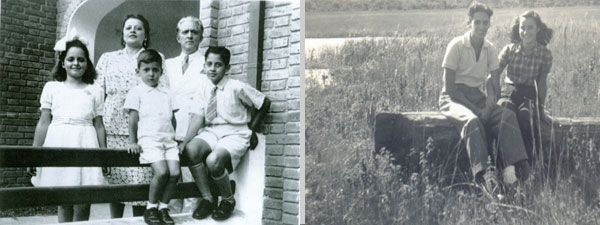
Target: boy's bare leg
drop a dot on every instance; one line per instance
(216, 166)
(159, 180)
(174, 173)
(196, 151)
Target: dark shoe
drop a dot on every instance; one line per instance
(204, 209)
(152, 216)
(165, 217)
(224, 210)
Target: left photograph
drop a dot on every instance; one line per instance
(150, 112)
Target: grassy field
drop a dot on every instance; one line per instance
(348, 184)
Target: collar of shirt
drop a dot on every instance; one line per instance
(147, 88)
(467, 41)
(537, 50)
(221, 84)
(191, 57)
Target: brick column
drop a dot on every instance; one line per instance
(281, 82)
(27, 37)
(209, 15)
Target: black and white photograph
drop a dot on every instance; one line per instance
(151, 112)
(452, 112)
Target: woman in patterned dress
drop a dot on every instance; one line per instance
(116, 76)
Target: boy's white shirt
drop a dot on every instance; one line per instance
(233, 98)
(155, 109)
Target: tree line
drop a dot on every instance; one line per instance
(361, 5)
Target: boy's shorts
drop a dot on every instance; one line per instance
(233, 138)
(154, 151)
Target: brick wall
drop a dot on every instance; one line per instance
(281, 82)
(233, 27)
(27, 40)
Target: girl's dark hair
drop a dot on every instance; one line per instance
(60, 74)
(543, 36)
(221, 51)
(146, 25)
(479, 7)
(149, 56)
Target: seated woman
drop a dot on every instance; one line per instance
(528, 63)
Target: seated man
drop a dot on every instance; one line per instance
(229, 130)
(468, 61)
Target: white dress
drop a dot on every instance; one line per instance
(72, 112)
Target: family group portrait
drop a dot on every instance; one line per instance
(452, 112)
(150, 112)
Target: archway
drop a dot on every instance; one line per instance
(100, 21)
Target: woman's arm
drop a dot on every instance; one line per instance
(100, 131)
(41, 128)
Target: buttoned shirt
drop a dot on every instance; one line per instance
(155, 109)
(525, 69)
(460, 56)
(185, 87)
(116, 76)
(234, 97)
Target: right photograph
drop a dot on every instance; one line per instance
(452, 112)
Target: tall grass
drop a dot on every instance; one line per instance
(347, 183)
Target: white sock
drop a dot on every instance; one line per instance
(509, 175)
(162, 205)
(151, 205)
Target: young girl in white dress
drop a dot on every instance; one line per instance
(71, 116)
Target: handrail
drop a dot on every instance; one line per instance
(27, 156)
(38, 196)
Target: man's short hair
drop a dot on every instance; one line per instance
(479, 7)
(191, 19)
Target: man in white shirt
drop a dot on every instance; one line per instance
(186, 79)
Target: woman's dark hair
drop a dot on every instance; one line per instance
(139, 17)
(221, 51)
(479, 7)
(60, 74)
(544, 35)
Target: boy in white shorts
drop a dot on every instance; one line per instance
(229, 130)
(151, 133)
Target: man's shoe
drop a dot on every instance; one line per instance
(224, 210)
(165, 217)
(204, 209)
(152, 216)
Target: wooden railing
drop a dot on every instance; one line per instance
(22, 156)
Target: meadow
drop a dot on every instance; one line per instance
(346, 183)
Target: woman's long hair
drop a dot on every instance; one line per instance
(544, 35)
